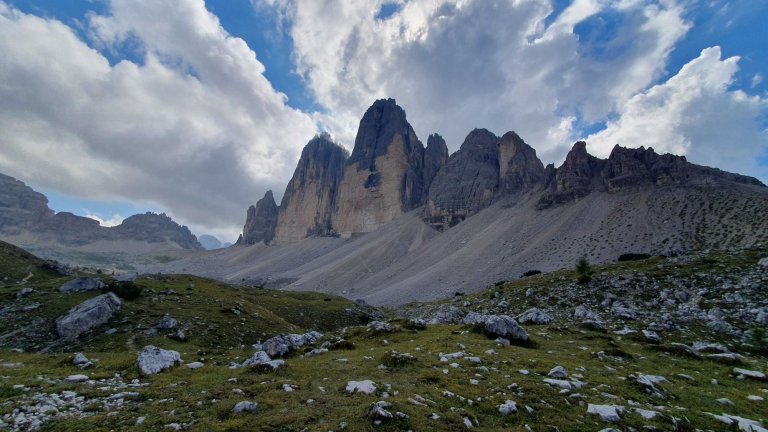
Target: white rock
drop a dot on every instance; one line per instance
(558, 372)
(195, 365)
(245, 406)
(607, 413)
(750, 374)
(153, 360)
(364, 387)
(755, 398)
(534, 316)
(76, 378)
(508, 407)
(565, 384)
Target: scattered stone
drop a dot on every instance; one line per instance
(166, 323)
(379, 327)
(534, 316)
(24, 292)
(284, 344)
(81, 361)
(757, 375)
(724, 401)
(417, 324)
(755, 398)
(88, 315)
(445, 314)
(365, 387)
(153, 360)
(508, 407)
(646, 414)
(565, 384)
(607, 413)
(82, 284)
(245, 406)
(379, 411)
(76, 378)
(505, 327)
(744, 424)
(558, 372)
(651, 337)
(195, 365)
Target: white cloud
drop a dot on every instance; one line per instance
(115, 220)
(695, 113)
(459, 64)
(195, 129)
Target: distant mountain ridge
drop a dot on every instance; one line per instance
(26, 219)
(390, 173)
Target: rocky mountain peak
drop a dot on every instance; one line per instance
(384, 176)
(260, 221)
(154, 227)
(435, 157)
(519, 167)
(309, 198)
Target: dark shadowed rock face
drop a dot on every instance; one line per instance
(467, 183)
(435, 157)
(260, 221)
(625, 169)
(307, 205)
(520, 170)
(383, 177)
(575, 178)
(20, 205)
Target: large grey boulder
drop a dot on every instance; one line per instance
(505, 327)
(88, 315)
(166, 323)
(284, 344)
(445, 314)
(82, 284)
(153, 360)
(534, 316)
(473, 318)
(260, 221)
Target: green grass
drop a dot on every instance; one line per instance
(203, 399)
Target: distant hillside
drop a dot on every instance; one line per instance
(27, 221)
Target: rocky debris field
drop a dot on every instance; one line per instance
(660, 344)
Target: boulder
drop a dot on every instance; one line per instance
(24, 292)
(81, 361)
(88, 315)
(284, 344)
(365, 387)
(607, 413)
(244, 406)
(558, 372)
(81, 284)
(379, 327)
(166, 323)
(508, 407)
(445, 314)
(534, 316)
(154, 360)
(474, 318)
(505, 327)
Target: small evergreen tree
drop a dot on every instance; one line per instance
(583, 270)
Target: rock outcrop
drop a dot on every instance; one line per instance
(152, 360)
(81, 284)
(520, 170)
(435, 157)
(260, 222)
(626, 169)
(467, 183)
(153, 227)
(383, 177)
(88, 315)
(310, 197)
(20, 205)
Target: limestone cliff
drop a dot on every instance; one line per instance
(309, 199)
(260, 221)
(520, 170)
(383, 178)
(467, 183)
(435, 157)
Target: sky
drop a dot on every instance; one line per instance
(196, 109)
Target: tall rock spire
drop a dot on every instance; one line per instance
(383, 177)
(310, 196)
(260, 221)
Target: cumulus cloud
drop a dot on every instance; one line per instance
(695, 113)
(459, 64)
(193, 128)
(115, 220)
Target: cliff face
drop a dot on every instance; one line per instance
(520, 170)
(467, 183)
(309, 199)
(20, 205)
(383, 177)
(435, 158)
(260, 221)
